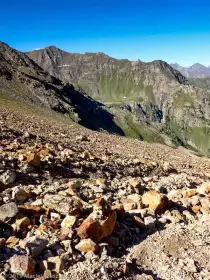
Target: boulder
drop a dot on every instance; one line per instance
(156, 201)
(22, 265)
(8, 210)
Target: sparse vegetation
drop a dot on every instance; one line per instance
(183, 99)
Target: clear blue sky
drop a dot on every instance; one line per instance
(177, 30)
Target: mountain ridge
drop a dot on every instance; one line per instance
(149, 100)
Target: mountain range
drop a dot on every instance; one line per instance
(150, 101)
(147, 101)
(197, 70)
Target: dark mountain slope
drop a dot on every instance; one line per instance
(22, 79)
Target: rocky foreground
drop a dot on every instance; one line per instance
(77, 204)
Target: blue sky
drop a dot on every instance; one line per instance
(175, 31)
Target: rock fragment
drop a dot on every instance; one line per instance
(8, 177)
(22, 265)
(87, 245)
(74, 186)
(20, 194)
(205, 205)
(22, 223)
(56, 264)
(32, 158)
(64, 205)
(68, 221)
(156, 201)
(205, 188)
(8, 210)
(98, 224)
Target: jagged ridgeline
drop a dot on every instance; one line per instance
(149, 101)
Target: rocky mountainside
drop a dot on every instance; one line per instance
(150, 101)
(23, 80)
(78, 204)
(197, 70)
(81, 204)
(108, 79)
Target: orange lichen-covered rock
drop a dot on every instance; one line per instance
(156, 201)
(33, 158)
(87, 245)
(98, 224)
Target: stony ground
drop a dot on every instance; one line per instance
(77, 204)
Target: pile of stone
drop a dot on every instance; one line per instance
(61, 207)
(48, 239)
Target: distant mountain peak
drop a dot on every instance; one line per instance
(198, 66)
(197, 70)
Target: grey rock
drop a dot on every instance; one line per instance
(8, 210)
